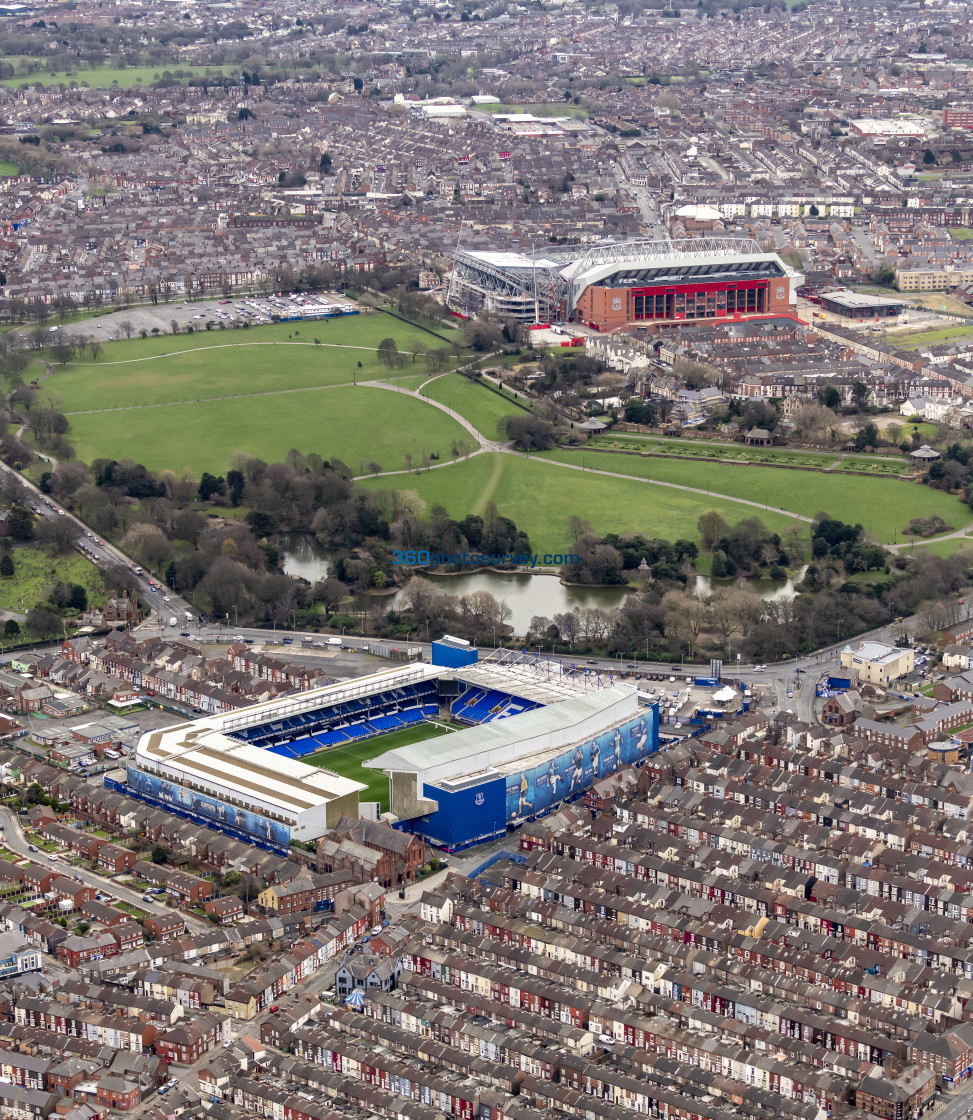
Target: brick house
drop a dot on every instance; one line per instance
(949, 1055)
(842, 710)
(306, 892)
(115, 858)
(69, 890)
(896, 1098)
(118, 1092)
(401, 853)
(227, 910)
(186, 1042)
(188, 890)
(165, 927)
(75, 950)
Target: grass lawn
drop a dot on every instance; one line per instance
(35, 572)
(8, 168)
(960, 233)
(907, 340)
(704, 449)
(103, 77)
(541, 496)
(565, 110)
(944, 548)
(347, 761)
(883, 506)
(190, 367)
(483, 407)
(357, 425)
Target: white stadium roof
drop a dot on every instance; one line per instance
(495, 745)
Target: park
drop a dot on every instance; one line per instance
(402, 421)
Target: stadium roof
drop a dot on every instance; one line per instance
(493, 745)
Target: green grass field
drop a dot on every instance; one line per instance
(960, 233)
(190, 367)
(103, 77)
(8, 168)
(907, 340)
(192, 400)
(882, 506)
(545, 110)
(541, 496)
(476, 403)
(357, 425)
(35, 572)
(347, 761)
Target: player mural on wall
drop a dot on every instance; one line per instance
(567, 774)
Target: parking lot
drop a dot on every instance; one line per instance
(159, 319)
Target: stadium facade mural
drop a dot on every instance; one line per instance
(534, 790)
(210, 808)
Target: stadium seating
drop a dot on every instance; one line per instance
(483, 705)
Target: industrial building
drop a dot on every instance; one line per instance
(631, 282)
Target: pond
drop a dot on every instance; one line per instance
(527, 595)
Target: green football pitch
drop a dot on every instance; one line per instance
(348, 760)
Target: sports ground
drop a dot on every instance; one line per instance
(348, 761)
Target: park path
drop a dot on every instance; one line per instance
(221, 346)
(230, 397)
(487, 445)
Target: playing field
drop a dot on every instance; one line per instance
(104, 77)
(347, 761)
(358, 425)
(483, 407)
(192, 400)
(884, 506)
(541, 496)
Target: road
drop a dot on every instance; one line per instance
(17, 842)
(102, 552)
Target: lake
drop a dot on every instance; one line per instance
(527, 595)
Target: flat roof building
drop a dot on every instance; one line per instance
(854, 306)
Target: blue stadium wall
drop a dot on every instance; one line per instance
(453, 657)
(465, 816)
(482, 812)
(210, 811)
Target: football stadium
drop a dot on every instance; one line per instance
(614, 284)
(455, 751)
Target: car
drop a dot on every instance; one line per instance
(606, 1040)
(52, 856)
(165, 598)
(376, 930)
(274, 1007)
(290, 641)
(61, 512)
(248, 641)
(183, 633)
(51, 330)
(31, 847)
(631, 666)
(760, 668)
(147, 898)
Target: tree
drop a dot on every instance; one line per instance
(6, 566)
(11, 628)
(56, 534)
(159, 854)
(830, 397)
(42, 621)
(20, 524)
(127, 327)
(859, 394)
(712, 527)
(928, 157)
(388, 352)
